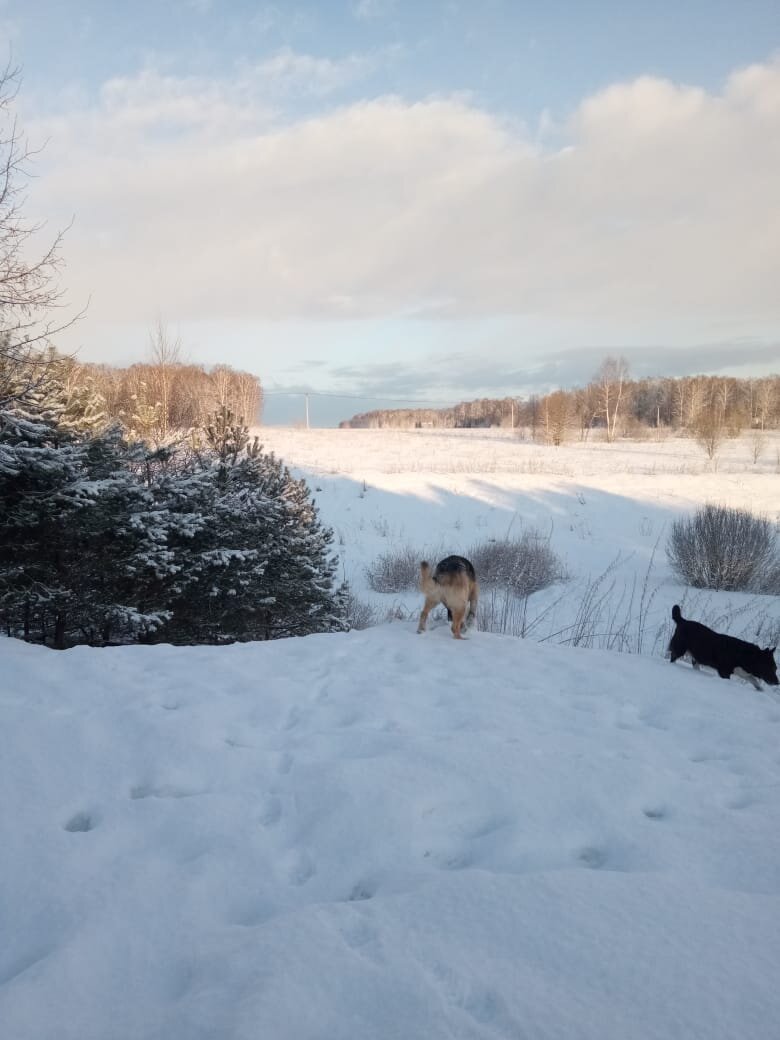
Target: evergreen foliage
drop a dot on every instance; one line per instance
(73, 553)
(253, 560)
(102, 540)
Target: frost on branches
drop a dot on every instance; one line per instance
(103, 540)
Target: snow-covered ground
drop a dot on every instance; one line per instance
(606, 509)
(383, 835)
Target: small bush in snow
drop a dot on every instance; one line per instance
(768, 582)
(523, 565)
(359, 614)
(397, 570)
(723, 548)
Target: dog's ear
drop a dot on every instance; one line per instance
(771, 649)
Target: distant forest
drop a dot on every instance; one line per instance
(612, 403)
(155, 400)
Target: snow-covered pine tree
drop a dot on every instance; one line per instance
(118, 559)
(82, 541)
(302, 572)
(38, 462)
(253, 561)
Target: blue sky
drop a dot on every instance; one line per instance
(411, 200)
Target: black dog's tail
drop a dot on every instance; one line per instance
(676, 615)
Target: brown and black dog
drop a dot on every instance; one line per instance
(454, 584)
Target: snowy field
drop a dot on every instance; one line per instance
(382, 835)
(606, 509)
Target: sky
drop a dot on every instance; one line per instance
(395, 201)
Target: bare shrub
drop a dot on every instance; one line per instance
(359, 614)
(503, 612)
(398, 612)
(768, 581)
(397, 570)
(722, 548)
(709, 428)
(757, 444)
(522, 565)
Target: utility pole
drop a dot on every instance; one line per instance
(307, 411)
(513, 412)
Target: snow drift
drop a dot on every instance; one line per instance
(383, 835)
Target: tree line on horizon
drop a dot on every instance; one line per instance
(702, 406)
(165, 395)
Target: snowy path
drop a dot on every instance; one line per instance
(383, 835)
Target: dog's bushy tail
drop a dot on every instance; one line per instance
(676, 615)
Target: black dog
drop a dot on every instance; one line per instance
(725, 654)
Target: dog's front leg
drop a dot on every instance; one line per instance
(743, 674)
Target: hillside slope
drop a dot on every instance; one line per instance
(388, 836)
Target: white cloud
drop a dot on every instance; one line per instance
(189, 197)
(290, 71)
(366, 9)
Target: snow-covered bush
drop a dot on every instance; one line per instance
(723, 548)
(397, 570)
(359, 614)
(522, 565)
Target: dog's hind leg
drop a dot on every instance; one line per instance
(429, 605)
(676, 647)
(471, 617)
(458, 614)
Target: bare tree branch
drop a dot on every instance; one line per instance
(29, 292)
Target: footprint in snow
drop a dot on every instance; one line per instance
(453, 860)
(80, 823)
(592, 857)
(250, 914)
(485, 827)
(484, 1005)
(285, 763)
(741, 800)
(271, 811)
(302, 869)
(654, 812)
(362, 891)
(361, 936)
(293, 718)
